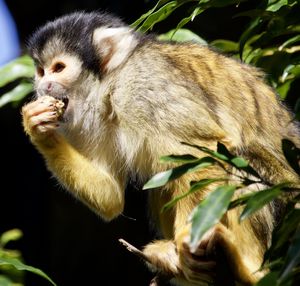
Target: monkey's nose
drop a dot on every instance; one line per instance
(49, 87)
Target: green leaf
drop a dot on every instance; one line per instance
(190, 18)
(283, 233)
(289, 42)
(279, 4)
(16, 94)
(5, 281)
(225, 45)
(162, 178)
(21, 266)
(224, 155)
(182, 35)
(194, 188)
(179, 158)
(10, 235)
(269, 280)
(293, 256)
(283, 89)
(145, 16)
(252, 29)
(206, 150)
(158, 16)
(239, 162)
(209, 212)
(241, 200)
(19, 68)
(260, 199)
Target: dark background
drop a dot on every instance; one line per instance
(61, 236)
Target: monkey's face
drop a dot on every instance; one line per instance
(58, 77)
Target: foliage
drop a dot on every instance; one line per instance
(270, 41)
(283, 257)
(20, 71)
(11, 265)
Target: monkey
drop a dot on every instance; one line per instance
(110, 102)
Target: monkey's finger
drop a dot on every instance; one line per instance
(36, 108)
(198, 264)
(42, 119)
(46, 128)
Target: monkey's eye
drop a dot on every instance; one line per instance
(58, 67)
(40, 71)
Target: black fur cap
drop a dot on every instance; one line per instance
(75, 31)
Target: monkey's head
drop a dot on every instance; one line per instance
(74, 52)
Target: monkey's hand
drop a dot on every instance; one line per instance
(180, 264)
(40, 120)
(222, 246)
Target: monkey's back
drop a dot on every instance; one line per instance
(203, 97)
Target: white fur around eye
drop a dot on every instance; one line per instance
(114, 45)
(72, 70)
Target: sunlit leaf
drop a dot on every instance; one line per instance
(16, 94)
(225, 45)
(283, 89)
(19, 68)
(144, 16)
(289, 42)
(194, 188)
(162, 178)
(239, 162)
(21, 266)
(10, 235)
(179, 158)
(158, 16)
(279, 4)
(260, 199)
(5, 281)
(209, 212)
(182, 35)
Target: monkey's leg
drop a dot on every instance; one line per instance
(163, 257)
(92, 183)
(218, 242)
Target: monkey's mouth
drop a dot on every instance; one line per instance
(62, 105)
(65, 100)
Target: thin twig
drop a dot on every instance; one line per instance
(134, 250)
(160, 278)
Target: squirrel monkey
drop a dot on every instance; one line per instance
(110, 101)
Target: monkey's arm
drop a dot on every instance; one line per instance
(90, 182)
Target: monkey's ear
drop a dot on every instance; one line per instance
(113, 45)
